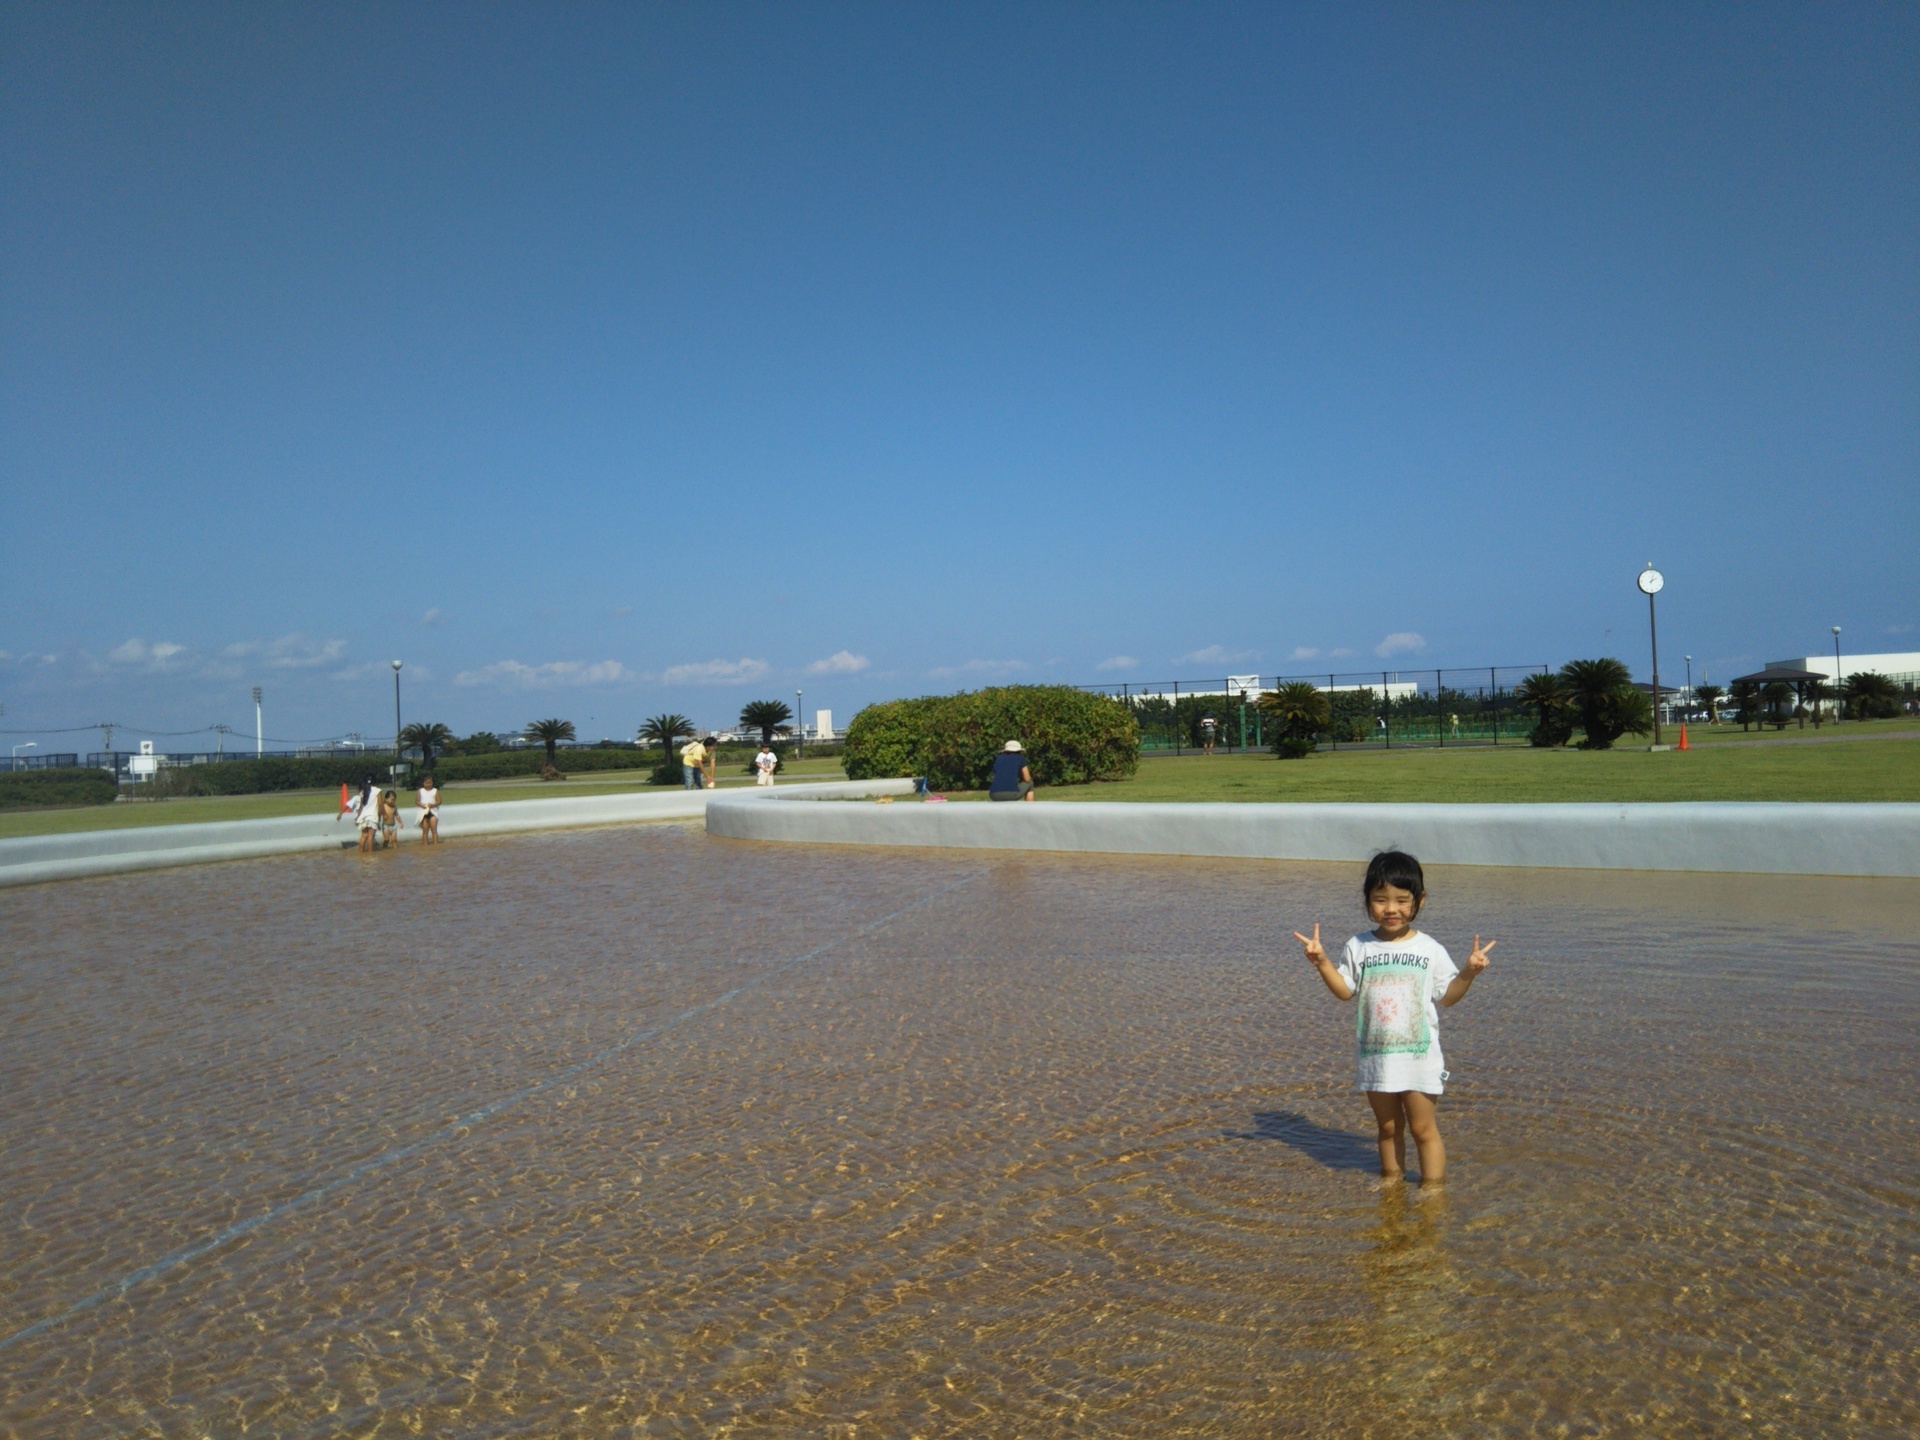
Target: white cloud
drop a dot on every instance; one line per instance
(289, 652)
(148, 657)
(980, 667)
(715, 672)
(1118, 662)
(433, 616)
(841, 662)
(1401, 642)
(1304, 652)
(511, 674)
(1214, 655)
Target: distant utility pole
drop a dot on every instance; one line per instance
(259, 737)
(396, 720)
(799, 729)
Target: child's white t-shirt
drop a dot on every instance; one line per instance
(765, 761)
(1397, 984)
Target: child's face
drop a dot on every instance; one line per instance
(1391, 908)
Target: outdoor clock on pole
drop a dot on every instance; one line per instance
(1650, 582)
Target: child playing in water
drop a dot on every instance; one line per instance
(1401, 978)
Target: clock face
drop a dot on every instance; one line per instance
(1651, 580)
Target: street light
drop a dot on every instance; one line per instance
(1689, 687)
(396, 720)
(799, 729)
(1650, 582)
(257, 740)
(1838, 708)
(26, 745)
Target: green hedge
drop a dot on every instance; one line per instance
(56, 785)
(1071, 737)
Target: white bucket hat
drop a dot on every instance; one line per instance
(1013, 745)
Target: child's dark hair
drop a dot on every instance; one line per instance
(1395, 868)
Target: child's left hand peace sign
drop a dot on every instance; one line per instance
(1479, 959)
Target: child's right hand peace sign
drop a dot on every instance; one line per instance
(1316, 952)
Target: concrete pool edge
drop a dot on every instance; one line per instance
(1753, 837)
(30, 859)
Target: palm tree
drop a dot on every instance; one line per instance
(1746, 701)
(1709, 696)
(1551, 700)
(1609, 704)
(1297, 712)
(766, 716)
(1871, 696)
(550, 733)
(426, 739)
(663, 730)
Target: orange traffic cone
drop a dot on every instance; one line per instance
(343, 795)
(1683, 737)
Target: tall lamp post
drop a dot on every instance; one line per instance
(799, 729)
(1689, 660)
(1838, 708)
(396, 720)
(1650, 582)
(25, 745)
(258, 739)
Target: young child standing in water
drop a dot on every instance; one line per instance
(1401, 978)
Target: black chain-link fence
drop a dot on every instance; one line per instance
(1370, 709)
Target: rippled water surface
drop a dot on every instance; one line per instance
(640, 1132)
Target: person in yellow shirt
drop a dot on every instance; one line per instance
(693, 756)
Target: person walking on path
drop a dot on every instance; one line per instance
(1012, 779)
(692, 755)
(764, 764)
(1209, 728)
(1402, 980)
(712, 762)
(429, 801)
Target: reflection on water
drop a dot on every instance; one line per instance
(638, 1132)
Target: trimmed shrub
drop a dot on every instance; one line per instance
(57, 785)
(1070, 737)
(258, 777)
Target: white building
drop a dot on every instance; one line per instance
(1901, 667)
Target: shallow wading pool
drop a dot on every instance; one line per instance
(640, 1131)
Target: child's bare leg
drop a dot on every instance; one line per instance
(1391, 1127)
(1424, 1122)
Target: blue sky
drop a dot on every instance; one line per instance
(600, 360)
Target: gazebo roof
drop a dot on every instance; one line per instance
(1785, 674)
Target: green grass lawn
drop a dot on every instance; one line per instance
(190, 809)
(1852, 770)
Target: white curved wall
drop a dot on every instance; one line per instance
(1763, 837)
(30, 858)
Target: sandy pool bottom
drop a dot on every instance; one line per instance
(641, 1132)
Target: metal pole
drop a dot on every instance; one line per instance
(396, 721)
(1330, 725)
(1653, 632)
(1838, 708)
(799, 729)
(1177, 737)
(1493, 686)
(257, 740)
(1440, 706)
(1688, 712)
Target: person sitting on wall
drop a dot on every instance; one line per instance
(1012, 780)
